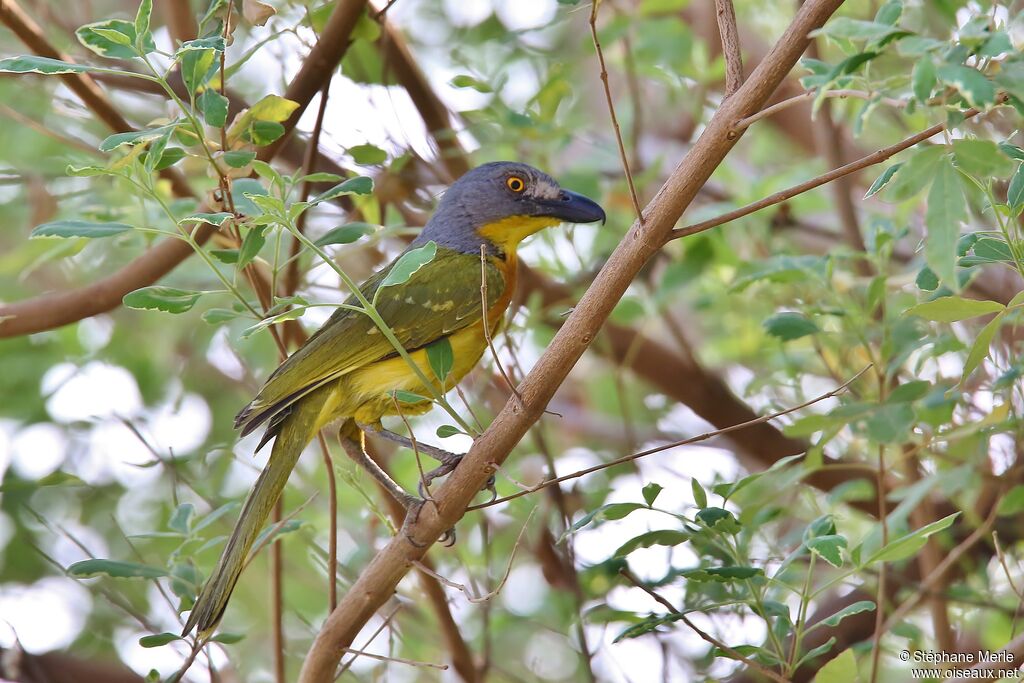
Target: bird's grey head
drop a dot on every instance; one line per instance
(500, 190)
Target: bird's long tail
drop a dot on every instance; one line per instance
(296, 431)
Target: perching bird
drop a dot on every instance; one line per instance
(348, 371)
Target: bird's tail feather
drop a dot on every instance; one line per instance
(296, 431)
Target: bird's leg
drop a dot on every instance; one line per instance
(449, 461)
(357, 451)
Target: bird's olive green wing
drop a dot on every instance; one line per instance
(441, 297)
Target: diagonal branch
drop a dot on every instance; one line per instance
(380, 578)
(852, 167)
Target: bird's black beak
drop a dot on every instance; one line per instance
(573, 208)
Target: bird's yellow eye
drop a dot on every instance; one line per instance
(516, 184)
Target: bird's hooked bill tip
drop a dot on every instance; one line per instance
(573, 207)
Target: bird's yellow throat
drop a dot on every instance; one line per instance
(507, 233)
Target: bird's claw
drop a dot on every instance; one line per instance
(413, 508)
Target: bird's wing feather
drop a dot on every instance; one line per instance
(441, 297)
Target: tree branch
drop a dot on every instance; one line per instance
(379, 579)
(725, 13)
(852, 167)
(318, 65)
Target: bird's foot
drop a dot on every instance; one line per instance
(448, 465)
(413, 508)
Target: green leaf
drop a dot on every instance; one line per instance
(1012, 151)
(197, 65)
(215, 43)
(611, 511)
(922, 79)
(30, 64)
(828, 548)
(1015, 192)
(77, 228)
(971, 83)
(909, 391)
(651, 492)
(408, 263)
(980, 158)
(950, 309)
(238, 158)
(408, 397)
(217, 219)
(216, 316)
(262, 133)
(915, 174)
(700, 498)
(817, 652)
(721, 574)
(445, 431)
(650, 624)
(980, 347)
(142, 17)
(181, 517)
(848, 611)
(947, 208)
(159, 298)
(57, 478)
(441, 358)
(890, 423)
(358, 185)
(663, 537)
(840, 669)
(251, 245)
(719, 519)
(228, 638)
(927, 280)
(214, 107)
(114, 569)
(789, 326)
(158, 639)
(1012, 503)
(464, 81)
(272, 532)
(292, 314)
(114, 39)
(905, 546)
(169, 157)
(272, 110)
(135, 137)
(857, 29)
(240, 187)
(346, 234)
(882, 180)
(367, 155)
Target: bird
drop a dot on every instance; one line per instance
(348, 372)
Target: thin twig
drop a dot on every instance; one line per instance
(399, 660)
(760, 668)
(384, 624)
(683, 442)
(611, 112)
(415, 449)
(852, 167)
(487, 327)
(841, 93)
(332, 520)
(501, 584)
(726, 15)
(876, 647)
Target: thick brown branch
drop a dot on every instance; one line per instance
(319, 63)
(379, 579)
(726, 15)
